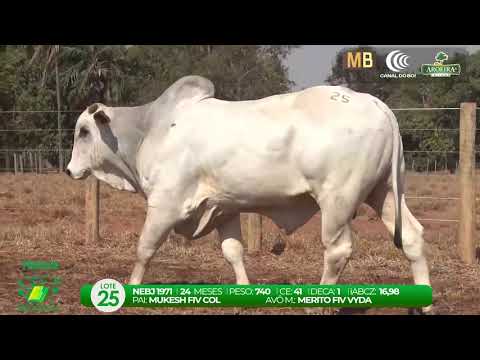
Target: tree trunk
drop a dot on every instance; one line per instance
(59, 116)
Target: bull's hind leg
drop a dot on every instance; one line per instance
(337, 238)
(382, 201)
(230, 234)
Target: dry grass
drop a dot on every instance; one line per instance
(48, 223)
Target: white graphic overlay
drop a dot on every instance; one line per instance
(397, 61)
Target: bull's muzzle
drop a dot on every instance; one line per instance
(80, 176)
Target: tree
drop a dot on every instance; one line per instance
(94, 74)
(121, 76)
(10, 62)
(48, 55)
(239, 72)
(27, 95)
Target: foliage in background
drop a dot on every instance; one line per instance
(133, 75)
(239, 72)
(121, 76)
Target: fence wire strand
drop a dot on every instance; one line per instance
(35, 130)
(67, 151)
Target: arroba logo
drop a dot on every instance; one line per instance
(397, 61)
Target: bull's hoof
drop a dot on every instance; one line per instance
(237, 311)
(321, 311)
(419, 311)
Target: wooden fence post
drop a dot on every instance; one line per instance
(21, 161)
(40, 162)
(92, 210)
(30, 160)
(254, 232)
(15, 163)
(8, 162)
(467, 226)
(35, 161)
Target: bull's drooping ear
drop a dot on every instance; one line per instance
(101, 117)
(190, 89)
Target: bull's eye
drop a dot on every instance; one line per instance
(83, 132)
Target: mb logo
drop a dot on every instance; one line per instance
(358, 60)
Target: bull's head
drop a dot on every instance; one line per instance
(107, 139)
(88, 147)
(96, 149)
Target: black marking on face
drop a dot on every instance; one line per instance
(83, 132)
(109, 138)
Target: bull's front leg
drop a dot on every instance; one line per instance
(230, 234)
(158, 223)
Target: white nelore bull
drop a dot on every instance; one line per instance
(200, 161)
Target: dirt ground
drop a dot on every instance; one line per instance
(42, 218)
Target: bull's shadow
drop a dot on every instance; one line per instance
(353, 311)
(181, 283)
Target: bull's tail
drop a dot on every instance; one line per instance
(396, 172)
(396, 183)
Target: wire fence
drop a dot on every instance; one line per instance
(42, 155)
(426, 166)
(29, 143)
